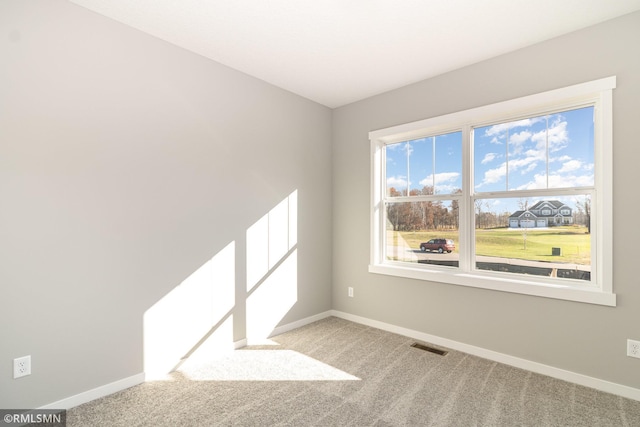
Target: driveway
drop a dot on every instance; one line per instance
(416, 255)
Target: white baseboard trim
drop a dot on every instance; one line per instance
(96, 393)
(116, 386)
(300, 323)
(539, 368)
(584, 380)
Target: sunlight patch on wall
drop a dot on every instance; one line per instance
(215, 346)
(272, 268)
(183, 320)
(293, 219)
(270, 301)
(270, 238)
(257, 251)
(267, 365)
(278, 232)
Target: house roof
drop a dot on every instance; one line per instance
(555, 203)
(518, 214)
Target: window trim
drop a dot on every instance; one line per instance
(598, 291)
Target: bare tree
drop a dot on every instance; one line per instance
(584, 208)
(482, 216)
(524, 205)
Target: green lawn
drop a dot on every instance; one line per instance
(574, 242)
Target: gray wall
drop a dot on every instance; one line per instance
(126, 164)
(583, 338)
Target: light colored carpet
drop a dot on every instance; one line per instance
(339, 373)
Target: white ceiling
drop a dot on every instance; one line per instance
(340, 51)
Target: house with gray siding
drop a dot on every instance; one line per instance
(546, 213)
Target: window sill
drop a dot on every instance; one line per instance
(477, 280)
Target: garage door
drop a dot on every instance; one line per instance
(528, 223)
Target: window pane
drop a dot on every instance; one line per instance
(421, 160)
(490, 159)
(396, 166)
(423, 232)
(448, 165)
(548, 236)
(431, 165)
(550, 151)
(571, 159)
(527, 154)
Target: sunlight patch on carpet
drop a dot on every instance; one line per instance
(265, 365)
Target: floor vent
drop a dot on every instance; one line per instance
(429, 349)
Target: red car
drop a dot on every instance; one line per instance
(440, 245)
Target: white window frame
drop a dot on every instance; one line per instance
(599, 290)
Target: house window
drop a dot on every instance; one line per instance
(487, 181)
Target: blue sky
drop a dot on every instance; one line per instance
(507, 156)
(445, 173)
(515, 155)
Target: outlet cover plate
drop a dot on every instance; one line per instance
(633, 348)
(21, 367)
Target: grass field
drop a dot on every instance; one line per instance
(573, 241)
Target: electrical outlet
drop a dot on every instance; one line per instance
(633, 348)
(21, 366)
(350, 292)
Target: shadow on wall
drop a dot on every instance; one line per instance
(195, 320)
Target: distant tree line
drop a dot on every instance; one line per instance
(434, 215)
(422, 215)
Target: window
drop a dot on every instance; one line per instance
(423, 179)
(514, 196)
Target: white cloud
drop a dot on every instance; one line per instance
(441, 178)
(524, 162)
(494, 175)
(529, 168)
(446, 189)
(501, 128)
(397, 182)
(524, 165)
(560, 159)
(539, 181)
(561, 181)
(519, 138)
(401, 146)
(570, 166)
(489, 157)
(557, 135)
(557, 181)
